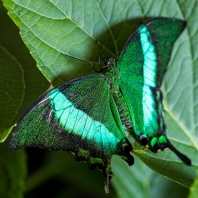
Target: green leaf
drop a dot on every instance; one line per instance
(59, 34)
(12, 172)
(55, 39)
(20, 81)
(140, 181)
(194, 188)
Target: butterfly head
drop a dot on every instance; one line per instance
(107, 62)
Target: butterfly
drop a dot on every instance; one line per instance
(87, 115)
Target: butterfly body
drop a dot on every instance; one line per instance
(87, 115)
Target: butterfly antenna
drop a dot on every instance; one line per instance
(104, 56)
(82, 61)
(93, 67)
(184, 158)
(105, 52)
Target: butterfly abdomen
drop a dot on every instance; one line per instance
(122, 108)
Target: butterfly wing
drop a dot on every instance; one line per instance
(79, 116)
(142, 65)
(145, 56)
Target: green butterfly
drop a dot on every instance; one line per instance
(87, 115)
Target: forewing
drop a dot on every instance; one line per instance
(146, 54)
